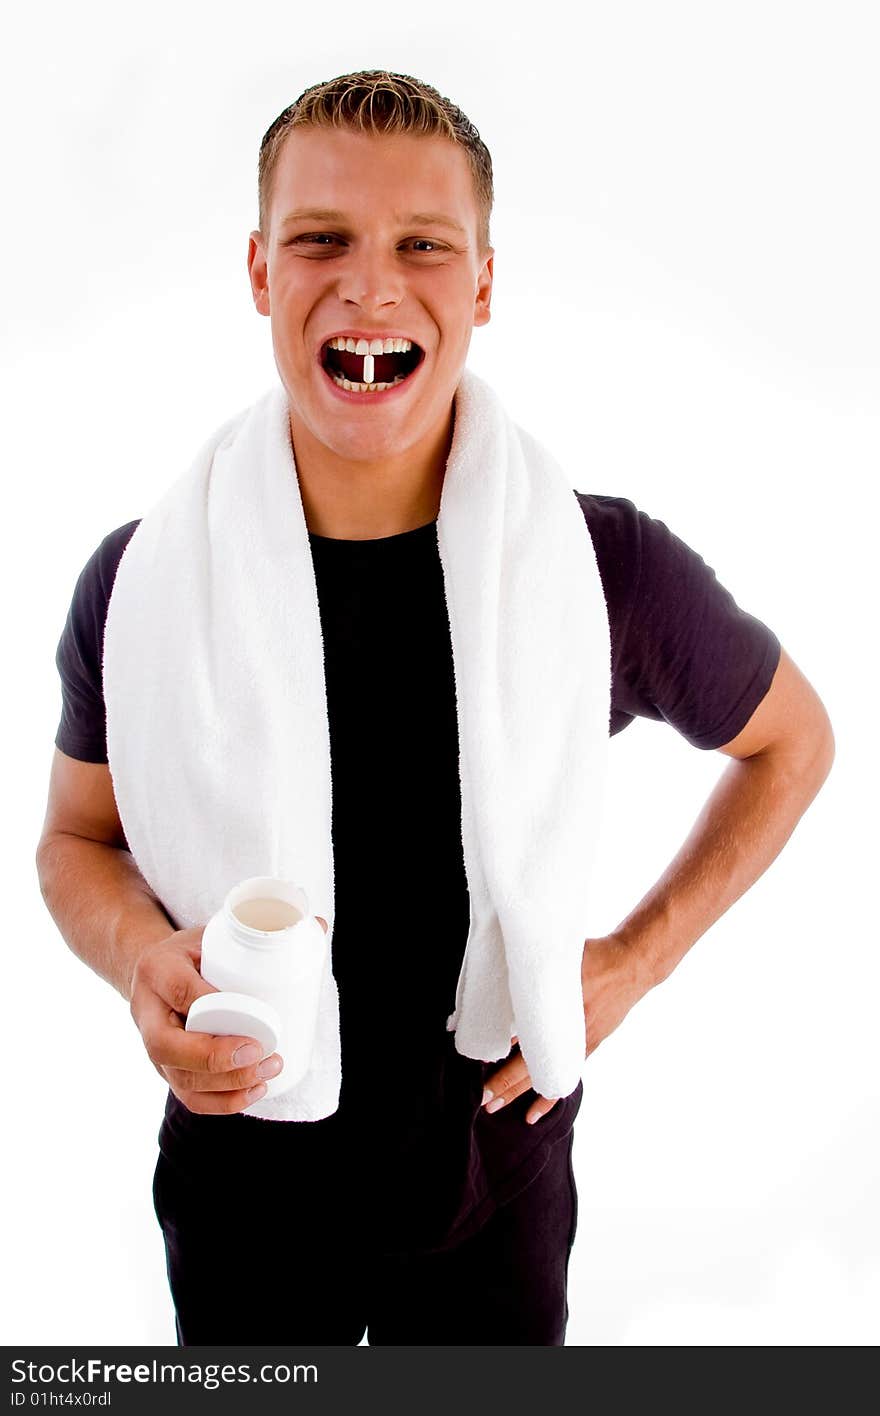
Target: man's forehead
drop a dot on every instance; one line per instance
(318, 167)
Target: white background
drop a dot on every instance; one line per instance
(686, 312)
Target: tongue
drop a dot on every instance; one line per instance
(386, 367)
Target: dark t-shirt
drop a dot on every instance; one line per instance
(409, 1148)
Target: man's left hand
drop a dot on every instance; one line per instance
(612, 982)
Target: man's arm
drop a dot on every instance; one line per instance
(782, 757)
(103, 907)
(112, 920)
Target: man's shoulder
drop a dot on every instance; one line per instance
(603, 506)
(95, 581)
(115, 542)
(615, 524)
(613, 521)
(105, 561)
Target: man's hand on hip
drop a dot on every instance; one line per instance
(612, 982)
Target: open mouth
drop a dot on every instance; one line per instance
(370, 373)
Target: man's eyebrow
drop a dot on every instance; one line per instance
(418, 218)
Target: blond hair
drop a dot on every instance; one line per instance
(376, 101)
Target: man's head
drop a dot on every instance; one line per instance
(397, 187)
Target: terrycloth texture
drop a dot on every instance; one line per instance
(218, 737)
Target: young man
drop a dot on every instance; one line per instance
(439, 1198)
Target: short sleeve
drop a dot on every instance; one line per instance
(82, 729)
(682, 650)
(693, 657)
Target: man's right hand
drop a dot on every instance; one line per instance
(208, 1073)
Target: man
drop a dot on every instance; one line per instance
(439, 1198)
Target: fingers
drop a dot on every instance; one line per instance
(209, 1073)
(220, 1088)
(213, 1073)
(540, 1108)
(509, 1082)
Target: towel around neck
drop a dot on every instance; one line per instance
(218, 738)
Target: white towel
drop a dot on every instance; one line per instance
(218, 736)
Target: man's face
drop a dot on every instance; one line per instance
(372, 271)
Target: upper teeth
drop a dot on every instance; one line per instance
(370, 346)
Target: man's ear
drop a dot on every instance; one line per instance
(258, 271)
(483, 299)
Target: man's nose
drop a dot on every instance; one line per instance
(371, 280)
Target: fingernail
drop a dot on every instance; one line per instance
(487, 1096)
(496, 1104)
(248, 1052)
(256, 1092)
(270, 1068)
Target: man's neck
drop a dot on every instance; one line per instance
(363, 501)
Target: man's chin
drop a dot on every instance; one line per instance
(347, 437)
(377, 445)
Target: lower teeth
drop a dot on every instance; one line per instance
(362, 387)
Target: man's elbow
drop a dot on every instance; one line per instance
(817, 765)
(819, 747)
(807, 756)
(829, 749)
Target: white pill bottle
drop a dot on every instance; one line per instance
(267, 954)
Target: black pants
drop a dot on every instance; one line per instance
(244, 1270)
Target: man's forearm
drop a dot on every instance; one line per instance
(102, 905)
(746, 821)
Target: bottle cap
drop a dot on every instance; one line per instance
(236, 1014)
